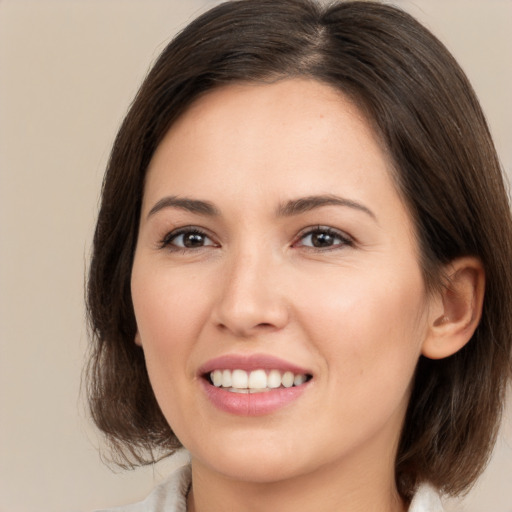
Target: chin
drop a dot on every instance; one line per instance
(258, 469)
(256, 462)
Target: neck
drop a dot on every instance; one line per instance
(329, 489)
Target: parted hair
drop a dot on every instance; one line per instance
(422, 107)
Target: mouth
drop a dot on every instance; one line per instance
(253, 384)
(255, 381)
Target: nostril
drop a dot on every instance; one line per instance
(246, 330)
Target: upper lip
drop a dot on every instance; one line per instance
(249, 362)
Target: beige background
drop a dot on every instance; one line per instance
(68, 70)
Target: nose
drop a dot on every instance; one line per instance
(252, 296)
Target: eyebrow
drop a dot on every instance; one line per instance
(305, 204)
(183, 203)
(288, 209)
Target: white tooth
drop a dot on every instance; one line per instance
(274, 379)
(299, 379)
(216, 377)
(258, 379)
(287, 379)
(239, 379)
(226, 379)
(244, 391)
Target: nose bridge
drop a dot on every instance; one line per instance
(251, 296)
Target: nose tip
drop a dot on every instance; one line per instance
(251, 303)
(244, 324)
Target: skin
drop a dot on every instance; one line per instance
(355, 313)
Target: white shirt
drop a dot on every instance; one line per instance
(171, 496)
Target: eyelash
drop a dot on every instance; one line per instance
(169, 238)
(344, 240)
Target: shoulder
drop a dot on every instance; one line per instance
(170, 496)
(426, 499)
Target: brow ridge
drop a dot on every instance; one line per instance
(290, 208)
(305, 204)
(184, 203)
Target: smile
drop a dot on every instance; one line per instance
(256, 381)
(253, 384)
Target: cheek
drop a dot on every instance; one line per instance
(371, 326)
(168, 311)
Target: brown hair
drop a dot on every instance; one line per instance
(426, 113)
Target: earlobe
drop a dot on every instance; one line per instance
(459, 309)
(138, 341)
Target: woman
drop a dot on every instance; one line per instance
(302, 214)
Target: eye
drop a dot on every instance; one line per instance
(322, 237)
(187, 238)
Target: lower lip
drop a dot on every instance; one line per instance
(252, 404)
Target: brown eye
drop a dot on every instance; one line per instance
(187, 239)
(192, 240)
(323, 238)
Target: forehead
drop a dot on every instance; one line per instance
(282, 125)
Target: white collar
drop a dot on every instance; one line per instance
(426, 499)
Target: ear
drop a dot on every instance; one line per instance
(457, 309)
(138, 341)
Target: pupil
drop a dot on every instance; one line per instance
(193, 240)
(322, 239)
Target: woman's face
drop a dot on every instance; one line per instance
(274, 247)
